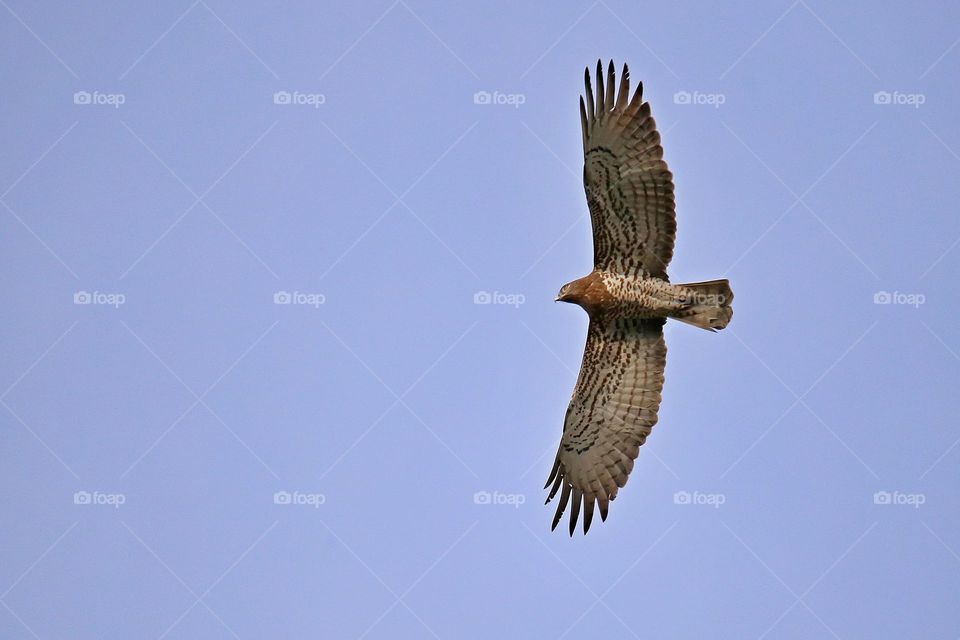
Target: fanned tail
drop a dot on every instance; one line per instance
(706, 304)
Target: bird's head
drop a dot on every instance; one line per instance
(571, 292)
(588, 292)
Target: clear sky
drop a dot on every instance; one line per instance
(250, 387)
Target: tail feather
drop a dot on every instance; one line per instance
(706, 304)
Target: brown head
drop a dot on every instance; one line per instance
(582, 291)
(570, 292)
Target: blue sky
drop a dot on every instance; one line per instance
(280, 356)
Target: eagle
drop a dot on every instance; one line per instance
(627, 296)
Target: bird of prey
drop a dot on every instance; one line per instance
(627, 296)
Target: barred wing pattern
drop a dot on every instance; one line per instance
(629, 187)
(612, 411)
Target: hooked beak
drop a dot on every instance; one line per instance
(558, 299)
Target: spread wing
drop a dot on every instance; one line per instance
(629, 187)
(612, 411)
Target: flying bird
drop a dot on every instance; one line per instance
(628, 297)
